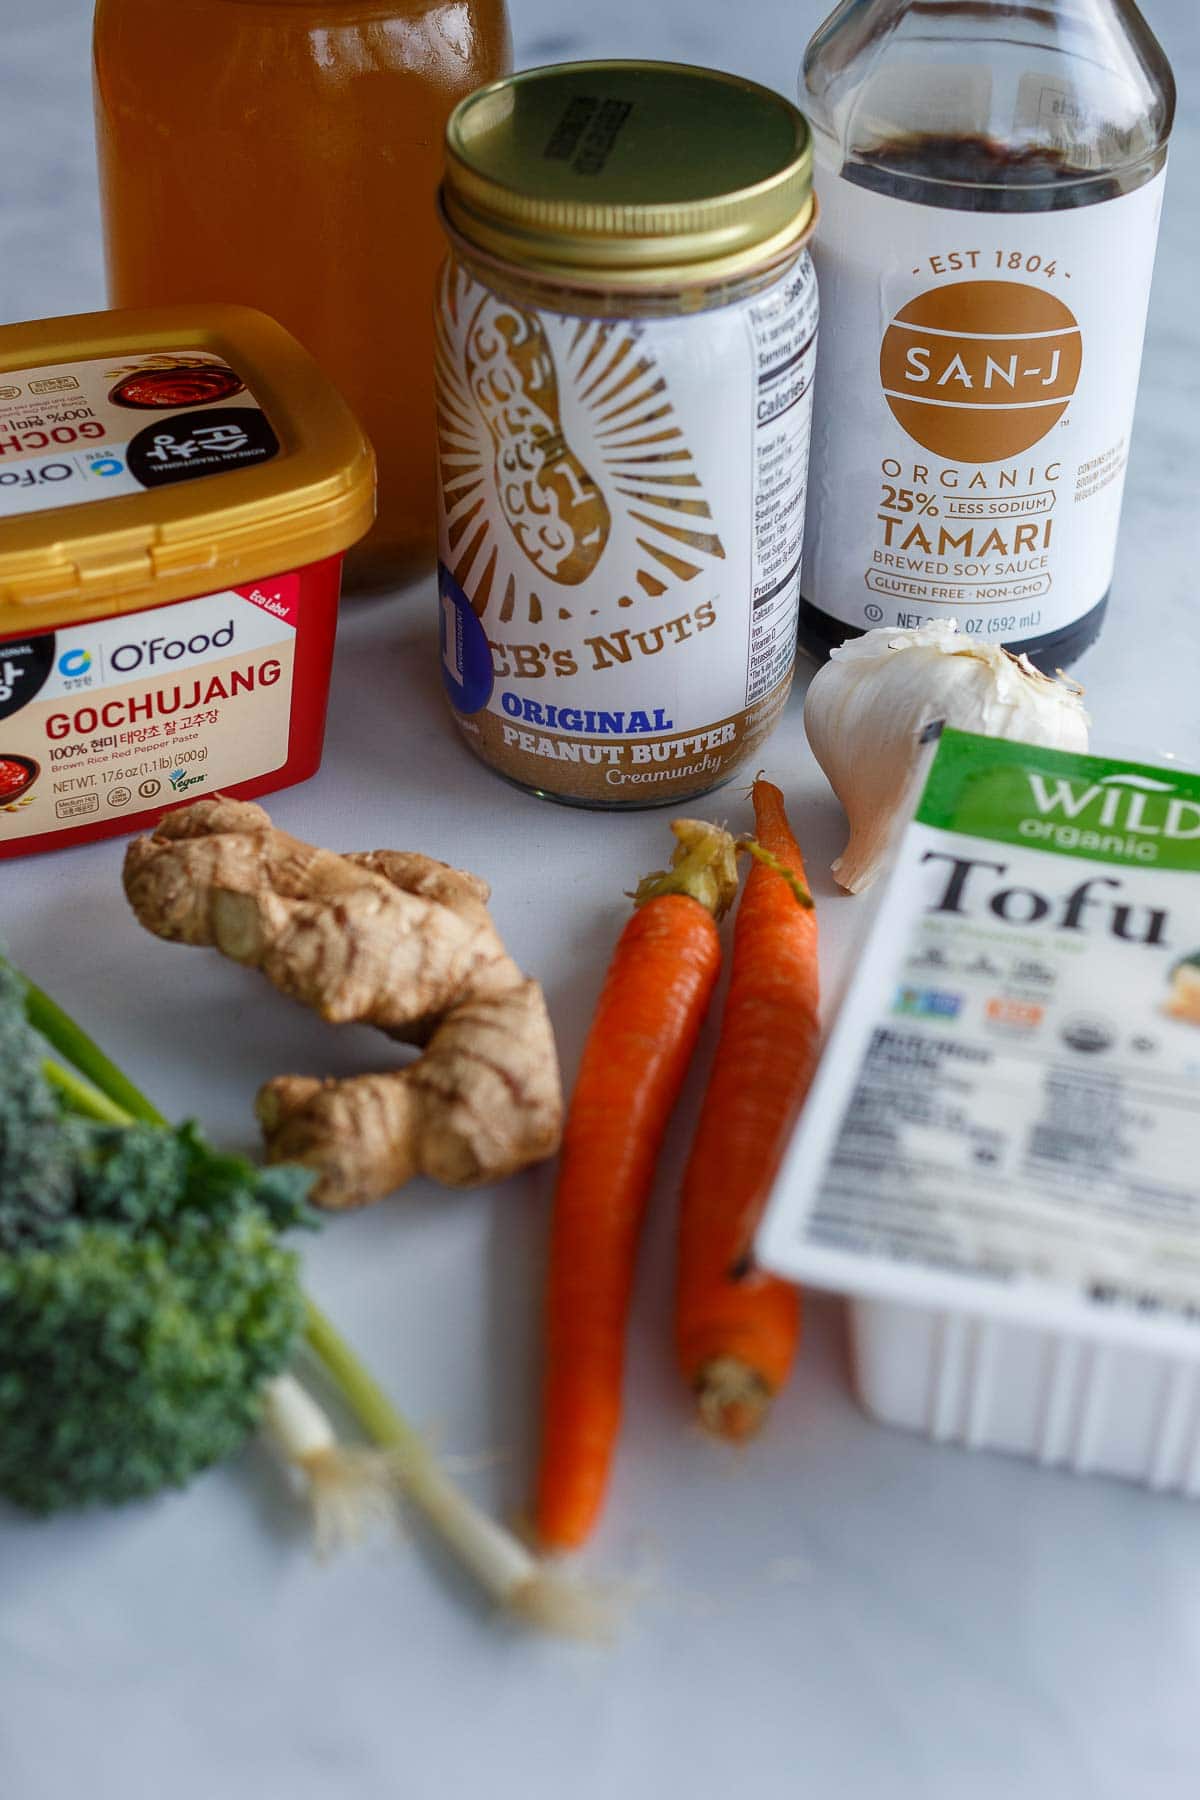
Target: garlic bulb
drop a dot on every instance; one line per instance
(868, 707)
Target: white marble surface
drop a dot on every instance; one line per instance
(839, 1611)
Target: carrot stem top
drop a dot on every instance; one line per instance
(704, 867)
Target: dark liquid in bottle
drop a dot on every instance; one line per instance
(975, 174)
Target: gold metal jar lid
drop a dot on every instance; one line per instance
(639, 174)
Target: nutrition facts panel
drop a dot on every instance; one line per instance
(783, 330)
(1003, 1161)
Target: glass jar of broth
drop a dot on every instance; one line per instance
(286, 154)
(990, 175)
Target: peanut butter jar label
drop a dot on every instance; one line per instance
(974, 406)
(106, 720)
(622, 518)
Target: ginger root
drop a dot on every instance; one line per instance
(386, 938)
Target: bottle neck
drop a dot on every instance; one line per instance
(1069, 101)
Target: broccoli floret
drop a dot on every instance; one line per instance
(145, 1298)
(37, 1149)
(145, 1178)
(128, 1364)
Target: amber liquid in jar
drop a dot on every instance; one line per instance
(286, 154)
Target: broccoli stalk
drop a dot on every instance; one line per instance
(149, 1318)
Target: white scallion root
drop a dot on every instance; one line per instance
(352, 1494)
(523, 1587)
(351, 1491)
(562, 1608)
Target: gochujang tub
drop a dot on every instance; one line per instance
(177, 490)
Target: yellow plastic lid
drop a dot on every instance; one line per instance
(155, 455)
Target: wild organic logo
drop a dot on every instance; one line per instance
(503, 442)
(1121, 817)
(1137, 804)
(981, 370)
(1055, 800)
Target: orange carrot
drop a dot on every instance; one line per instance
(641, 1041)
(736, 1329)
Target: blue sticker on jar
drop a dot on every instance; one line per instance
(466, 654)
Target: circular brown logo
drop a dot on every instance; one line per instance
(981, 370)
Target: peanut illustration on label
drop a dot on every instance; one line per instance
(553, 506)
(576, 446)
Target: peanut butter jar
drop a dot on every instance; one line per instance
(626, 341)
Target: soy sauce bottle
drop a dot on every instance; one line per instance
(990, 175)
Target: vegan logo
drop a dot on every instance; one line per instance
(981, 370)
(181, 780)
(574, 446)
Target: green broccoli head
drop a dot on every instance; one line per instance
(128, 1364)
(37, 1150)
(145, 1296)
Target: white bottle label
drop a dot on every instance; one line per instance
(975, 395)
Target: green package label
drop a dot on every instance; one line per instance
(1085, 806)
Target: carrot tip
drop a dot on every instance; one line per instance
(733, 1400)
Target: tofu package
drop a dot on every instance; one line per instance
(1006, 1122)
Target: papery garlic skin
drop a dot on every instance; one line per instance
(868, 708)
